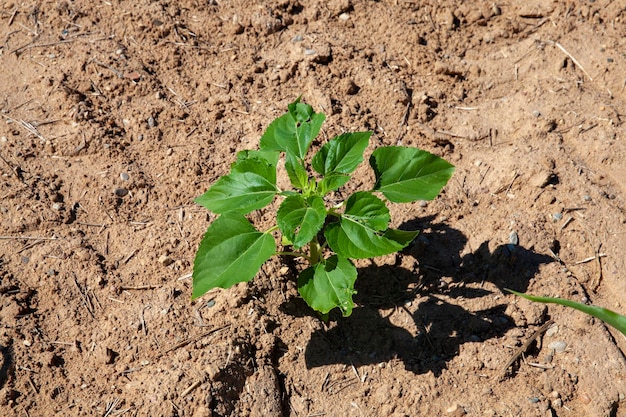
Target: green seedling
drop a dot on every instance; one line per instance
(308, 225)
(610, 317)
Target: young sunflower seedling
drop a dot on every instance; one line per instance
(329, 236)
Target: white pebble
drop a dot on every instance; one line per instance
(558, 346)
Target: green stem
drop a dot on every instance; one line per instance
(315, 251)
(294, 254)
(271, 229)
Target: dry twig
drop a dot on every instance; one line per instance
(519, 351)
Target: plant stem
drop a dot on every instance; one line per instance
(294, 254)
(315, 251)
(271, 229)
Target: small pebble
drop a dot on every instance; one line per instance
(587, 198)
(456, 411)
(297, 38)
(165, 260)
(513, 238)
(553, 330)
(309, 51)
(344, 16)
(210, 303)
(124, 176)
(536, 113)
(27, 343)
(151, 122)
(57, 206)
(558, 346)
(120, 192)
(557, 216)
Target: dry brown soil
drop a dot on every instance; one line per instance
(117, 114)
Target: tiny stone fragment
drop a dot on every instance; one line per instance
(456, 411)
(165, 260)
(553, 330)
(558, 346)
(540, 179)
(124, 176)
(120, 192)
(513, 238)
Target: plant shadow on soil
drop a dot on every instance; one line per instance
(439, 327)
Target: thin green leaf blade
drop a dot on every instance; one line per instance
(610, 317)
(231, 251)
(251, 185)
(409, 174)
(342, 154)
(329, 284)
(300, 219)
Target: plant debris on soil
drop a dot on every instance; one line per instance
(116, 115)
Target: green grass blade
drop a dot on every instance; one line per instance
(610, 317)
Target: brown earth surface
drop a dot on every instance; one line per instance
(116, 115)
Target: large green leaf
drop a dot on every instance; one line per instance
(409, 174)
(329, 284)
(250, 185)
(231, 251)
(362, 232)
(610, 317)
(300, 219)
(342, 154)
(294, 131)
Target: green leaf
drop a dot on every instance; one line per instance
(409, 174)
(270, 156)
(610, 317)
(294, 131)
(231, 251)
(367, 209)
(298, 175)
(250, 185)
(329, 284)
(331, 183)
(354, 240)
(360, 232)
(342, 154)
(300, 219)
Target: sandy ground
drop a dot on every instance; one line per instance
(116, 115)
